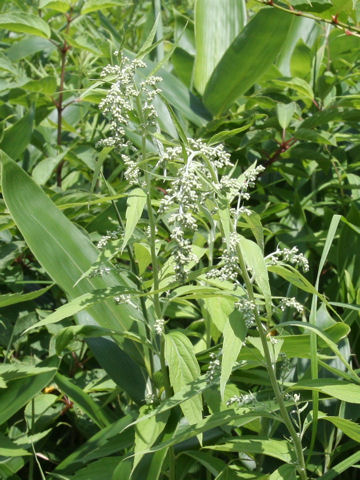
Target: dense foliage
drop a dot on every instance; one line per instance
(179, 240)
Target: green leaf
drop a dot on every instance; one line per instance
(79, 304)
(347, 392)
(19, 392)
(83, 401)
(135, 206)
(249, 56)
(183, 369)
(280, 449)
(109, 440)
(58, 5)
(142, 256)
(147, 433)
(254, 259)
(46, 85)
(14, 298)
(25, 23)
(17, 137)
(66, 253)
(300, 31)
(285, 472)
(10, 449)
(217, 23)
(68, 334)
(29, 46)
(329, 343)
(351, 429)
(341, 467)
(234, 335)
(94, 5)
(285, 112)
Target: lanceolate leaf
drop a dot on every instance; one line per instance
(135, 206)
(254, 259)
(25, 23)
(66, 253)
(217, 23)
(234, 335)
(183, 368)
(249, 56)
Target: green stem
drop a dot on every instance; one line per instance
(271, 372)
(269, 364)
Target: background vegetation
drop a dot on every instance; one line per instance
(92, 386)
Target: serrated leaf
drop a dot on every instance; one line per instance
(183, 369)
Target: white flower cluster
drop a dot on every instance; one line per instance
(189, 190)
(241, 400)
(120, 299)
(128, 100)
(238, 187)
(110, 235)
(214, 366)
(248, 309)
(99, 271)
(289, 255)
(287, 302)
(229, 269)
(159, 326)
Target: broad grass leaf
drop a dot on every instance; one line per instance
(83, 401)
(14, 298)
(347, 392)
(183, 369)
(351, 429)
(280, 449)
(66, 253)
(329, 343)
(217, 23)
(135, 206)
(19, 392)
(22, 22)
(248, 57)
(234, 335)
(341, 467)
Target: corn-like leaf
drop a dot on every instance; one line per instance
(66, 253)
(248, 57)
(217, 23)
